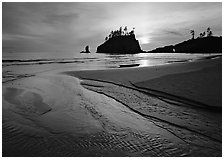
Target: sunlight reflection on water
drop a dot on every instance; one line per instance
(144, 63)
(26, 64)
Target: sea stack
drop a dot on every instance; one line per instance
(120, 42)
(86, 50)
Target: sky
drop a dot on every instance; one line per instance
(70, 26)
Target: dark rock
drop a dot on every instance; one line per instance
(200, 45)
(129, 65)
(165, 49)
(120, 45)
(86, 50)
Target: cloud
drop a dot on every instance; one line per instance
(55, 19)
(70, 26)
(175, 33)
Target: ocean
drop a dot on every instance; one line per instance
(20, 65)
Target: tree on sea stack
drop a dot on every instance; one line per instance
(209, 32)
(120, 41)
(192, 33)
(120, 31)
(201, 35)
(125, 30)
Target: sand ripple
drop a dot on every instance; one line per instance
(53, 115)
(16, 143)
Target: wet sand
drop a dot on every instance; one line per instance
(104, 114)
(200, 81)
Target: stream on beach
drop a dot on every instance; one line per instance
(46, 113)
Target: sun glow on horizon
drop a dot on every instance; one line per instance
(144, 40)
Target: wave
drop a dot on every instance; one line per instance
(7, 62)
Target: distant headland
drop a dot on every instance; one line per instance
(202, 44)
(120, 42)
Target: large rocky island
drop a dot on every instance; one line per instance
(120, 42)
(210, 44)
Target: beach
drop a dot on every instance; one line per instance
(166, 110)
(186, 79)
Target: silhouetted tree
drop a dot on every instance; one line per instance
(116, 33)
(131, 32)
(125, 30)
(201, 35)
(111, 34)
(192, 33)
(120, 31)
(209, 32)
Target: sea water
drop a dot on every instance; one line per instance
(25, 64)
(94, 61)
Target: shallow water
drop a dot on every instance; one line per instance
(81, 122)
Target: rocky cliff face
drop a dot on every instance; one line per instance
(120, 45)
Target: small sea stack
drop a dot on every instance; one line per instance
(86, 50)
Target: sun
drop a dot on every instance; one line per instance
(144, 40)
